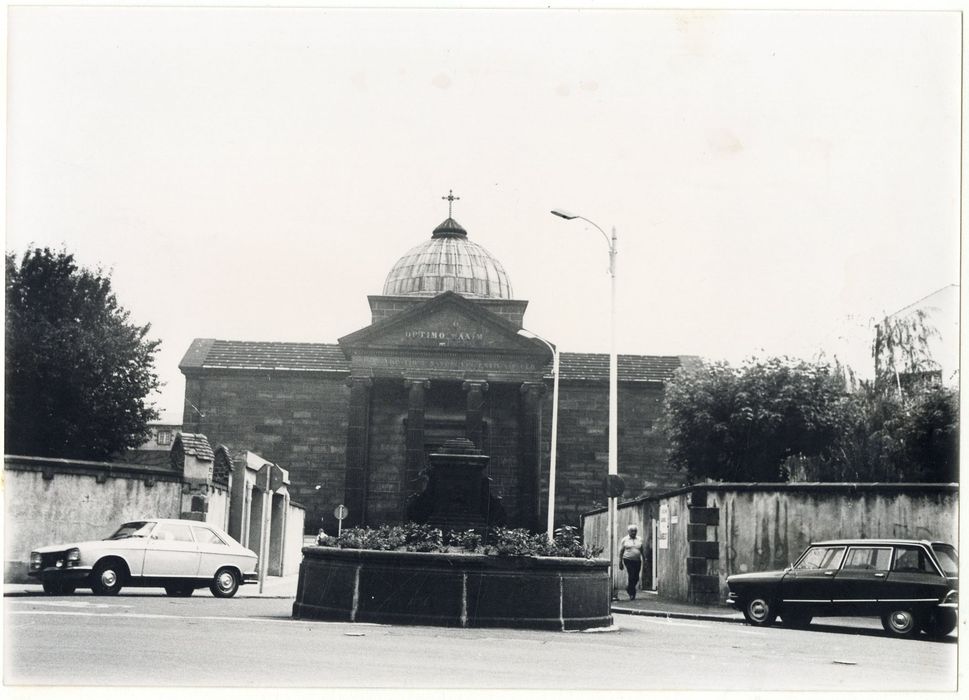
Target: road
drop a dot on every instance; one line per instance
(145, 638)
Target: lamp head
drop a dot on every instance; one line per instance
(565, 214)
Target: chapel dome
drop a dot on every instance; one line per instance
(448, 262)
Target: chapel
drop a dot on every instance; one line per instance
(354, 422)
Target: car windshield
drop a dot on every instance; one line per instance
(821, 558)
(946, 554)
(139, 528)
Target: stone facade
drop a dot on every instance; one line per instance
(358, 419)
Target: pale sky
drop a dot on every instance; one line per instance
(776, 179)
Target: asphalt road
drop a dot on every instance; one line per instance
(148, 639)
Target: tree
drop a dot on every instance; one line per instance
(78, 372)
(901, 348)
(744, 424)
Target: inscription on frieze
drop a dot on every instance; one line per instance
(449, 328)
(448, 362)
(446, 338)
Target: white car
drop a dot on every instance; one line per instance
(177, 555)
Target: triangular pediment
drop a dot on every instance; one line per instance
(445, 323)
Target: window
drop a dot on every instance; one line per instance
(172, 531)
(821, 558)
(203, 535)
(912, 560)
(164, 437)
(868, 558)
(947, 556)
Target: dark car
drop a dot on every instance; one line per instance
(909, 584)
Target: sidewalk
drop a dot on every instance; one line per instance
(646, 603)
(272, 587)
(649, 604)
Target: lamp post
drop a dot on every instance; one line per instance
(555, 429)
(613, 380)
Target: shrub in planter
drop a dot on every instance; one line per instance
(411, 537)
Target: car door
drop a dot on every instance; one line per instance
(914, 579)
(171, 551)
(807, 586)
(861, 580)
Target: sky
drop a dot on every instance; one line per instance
(777, 179)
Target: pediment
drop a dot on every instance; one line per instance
(447, 323)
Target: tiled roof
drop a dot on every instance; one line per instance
(306, 357)
(632, 368)
(197, 445)
(326, 357)
(223, 465)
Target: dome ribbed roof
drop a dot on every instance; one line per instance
(448, 262)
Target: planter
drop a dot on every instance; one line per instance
(453, 590)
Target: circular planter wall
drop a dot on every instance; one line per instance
(456, 590)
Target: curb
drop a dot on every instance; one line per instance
(678, 615)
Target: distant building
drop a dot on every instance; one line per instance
(162, 436)
(354, 421)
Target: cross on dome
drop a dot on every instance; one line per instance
(450, 201)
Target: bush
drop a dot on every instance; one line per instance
(411, 537)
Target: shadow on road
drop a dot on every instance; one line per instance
(823, 628)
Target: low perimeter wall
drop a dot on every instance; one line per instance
(454, 590)
(702, 534)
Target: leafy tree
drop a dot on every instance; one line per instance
(77, 370)
(901, 348)
(744, 424)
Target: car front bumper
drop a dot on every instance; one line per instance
(250, 578)
(53, 573)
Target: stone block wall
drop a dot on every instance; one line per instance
(446, 402)
(295, 419)
(583, 446)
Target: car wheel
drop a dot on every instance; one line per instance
(939, 623)
(107, 578)
(796, 619)
(225, 584)
(759, 611)
(179, 591)
(901, 623)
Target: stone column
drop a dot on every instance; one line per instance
(530, 454)
(357, 466)
(473, 418)
(414, 438)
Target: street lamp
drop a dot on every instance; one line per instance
(613, 379)
(555, 428)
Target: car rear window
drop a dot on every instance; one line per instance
(912, 560)
(948, 558)
(203, 535)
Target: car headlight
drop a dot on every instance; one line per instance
(35, 560)
(73, 556)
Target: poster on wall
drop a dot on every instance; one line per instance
(663, 540)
